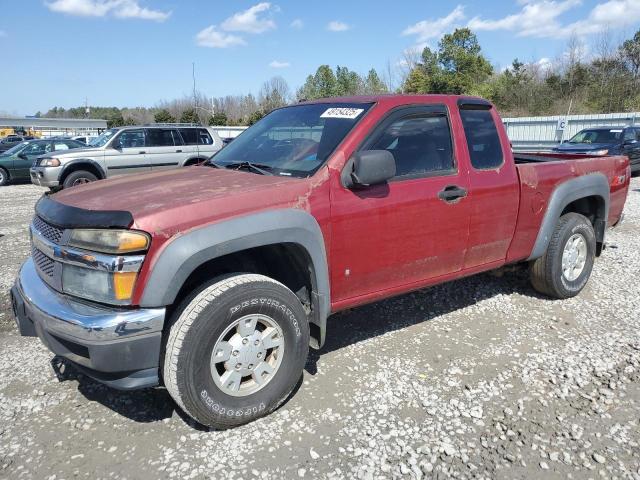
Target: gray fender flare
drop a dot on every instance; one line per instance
(594, 184)
(188, 251)
(76, 161)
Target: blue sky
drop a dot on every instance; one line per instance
(138, 52)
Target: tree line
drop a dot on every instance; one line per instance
(606, 81)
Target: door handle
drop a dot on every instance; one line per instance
(142, 152)
(178, 151)
(451, 193)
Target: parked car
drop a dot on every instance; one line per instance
(135, 149)
(10, 141)
(606, 141)
(86, 139)
(16, 162)
(215, 280)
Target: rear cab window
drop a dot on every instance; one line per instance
(483, 141)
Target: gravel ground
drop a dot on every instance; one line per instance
(479, 378)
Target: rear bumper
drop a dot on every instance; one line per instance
(118, 347)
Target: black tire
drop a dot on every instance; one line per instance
(4, 177)
(203, 319)
(194, 161)
(79, 177)
(547, 275)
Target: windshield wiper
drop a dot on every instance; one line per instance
(256, 167)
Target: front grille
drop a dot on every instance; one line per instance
(43, 263)
(48, 231)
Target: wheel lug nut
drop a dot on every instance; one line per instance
(259, 354)
(245, 341)
(257, 342)
(250, 366)
(235, 353)
(238, 366)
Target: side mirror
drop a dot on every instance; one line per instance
(23, 156)
(372, 167)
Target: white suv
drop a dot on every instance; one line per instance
(125, 150)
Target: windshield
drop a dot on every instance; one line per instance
(597, 136)
(17, 149)
(103, 139)
(293, 141)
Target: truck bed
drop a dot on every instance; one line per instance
(541, 173)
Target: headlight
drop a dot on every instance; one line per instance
(110, 241)
(604, 151)
(99, 286)
(100, 271)
(49, 162)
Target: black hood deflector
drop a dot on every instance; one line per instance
(66, 216)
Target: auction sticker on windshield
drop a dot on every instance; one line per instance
(337, 112)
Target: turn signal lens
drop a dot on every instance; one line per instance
(601, 152)
(123, 283)
(110, 241)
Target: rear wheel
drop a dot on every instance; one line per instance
(4, 177)
(236, 350)
(79, 177)
(565, 267)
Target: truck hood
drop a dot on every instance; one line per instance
(582, 147)
(171, 201)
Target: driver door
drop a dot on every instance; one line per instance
(408, 231)
(128, 153)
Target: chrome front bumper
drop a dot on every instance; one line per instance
(118, 347)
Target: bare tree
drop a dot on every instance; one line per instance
(275, 93)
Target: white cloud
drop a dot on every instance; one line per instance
(102, 8)
(541, 18)
(251, 20)
(434, 28)
(277, 64)
(297, 24)
(544, 64)
(611, 14)
(212, 38)
(337, 26)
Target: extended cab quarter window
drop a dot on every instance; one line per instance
(483, 141)
(420, 144)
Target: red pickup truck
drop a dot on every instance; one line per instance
(214, 280)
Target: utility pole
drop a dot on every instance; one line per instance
(195, 98)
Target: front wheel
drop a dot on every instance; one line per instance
(236, 350)
(79, 177)
(565, 267)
